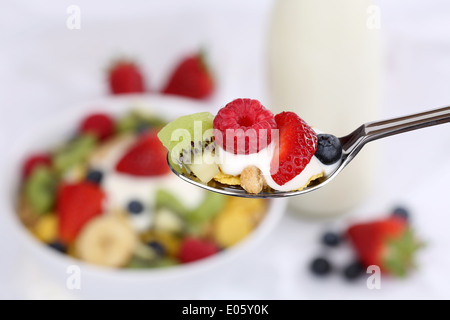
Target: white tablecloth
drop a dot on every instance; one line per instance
(44, 67)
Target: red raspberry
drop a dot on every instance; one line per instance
(297, 145)
(35, 160)
(245, 124)
(193, 249)
(99, 124)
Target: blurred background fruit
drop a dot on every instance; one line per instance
(47, 66)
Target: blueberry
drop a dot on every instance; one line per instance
(94, 176)
(329, 149)
(58, 246)
(320, 266)
(353, 271)
(158, 247)
(331, 239)
(142, 128)
(401, 212)
(135, 206)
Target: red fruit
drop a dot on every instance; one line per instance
(125, 77)
(147, 157)
(191, 78)
(39, 159)
(99, 124)
(193, 249)
(297, 145)
(76, 204)
(244, 126)
(387, 243)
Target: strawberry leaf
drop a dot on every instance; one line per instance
(398, 258)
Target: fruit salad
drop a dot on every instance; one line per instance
(106, 196)
(246, 145)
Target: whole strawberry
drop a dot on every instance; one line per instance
(191, 78)
(77, 203)
(387, 243)
(297, 145)
(146, 157)
(125, 77)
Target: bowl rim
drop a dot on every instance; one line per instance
(122, 103)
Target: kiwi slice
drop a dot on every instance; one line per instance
(164, 262)
(135, 119)
(165, 199)
(172, 216)
(170, 213)
(209, 207)
(74, 152)
(190, 141)
(140, 263)
(40, 189)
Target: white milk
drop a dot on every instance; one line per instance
(324, 64)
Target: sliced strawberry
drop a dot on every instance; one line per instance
(193, 249)
(191, 78)
(125, 77)
(99, 124)
(35, 160)
(244, 126)
(76, 204)
(147, 157)
(387, 243)
(297, 145)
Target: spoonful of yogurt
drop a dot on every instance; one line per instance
(246, 151)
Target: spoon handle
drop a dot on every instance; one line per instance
(370, 131)
(380, 129)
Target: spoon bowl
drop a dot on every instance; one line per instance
(238, 191)
(351, 145)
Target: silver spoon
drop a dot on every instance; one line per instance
(351, 145)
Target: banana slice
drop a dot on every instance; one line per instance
(168, 221)
(76, 173)
(107, 240)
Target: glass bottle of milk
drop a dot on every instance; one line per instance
(324, 64)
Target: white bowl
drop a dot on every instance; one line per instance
(60, 271)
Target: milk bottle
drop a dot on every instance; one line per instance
(324, 64)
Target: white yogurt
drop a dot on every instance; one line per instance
(234, 164)
(121, 188)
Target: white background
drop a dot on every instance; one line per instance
(45, 67)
